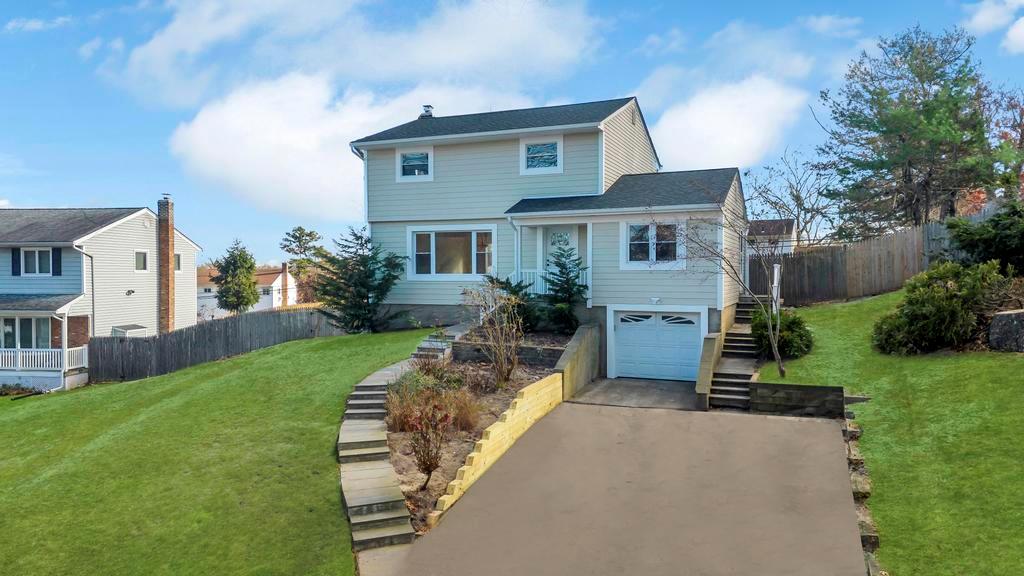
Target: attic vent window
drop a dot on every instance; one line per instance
(541, 155)
(414, 165)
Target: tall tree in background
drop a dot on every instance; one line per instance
(794, 187)
(910, 132)
(1009, 134)
(304, 246)
(355, 280)
(236, 280)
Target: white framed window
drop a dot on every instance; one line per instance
(207, 290)
(414, 164)
(265, 291)
(451, 252)
(541, 155)
(36, 262)
(142, 261)
(177, 262)
(652, 245)
(25, 333)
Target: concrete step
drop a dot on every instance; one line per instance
(376, 537)
(742, 319)
(738, 382)
(733, 353)
(731, 376)
(730, 390)
(374, 499)
(365, 403)
(363, 441)
(427, 355)
(729, 401)
(365, 414)
(396, 517)
(382, 387)
(364, 454)
(368, 394)
(740, 345)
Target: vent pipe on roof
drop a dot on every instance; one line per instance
(428, 111)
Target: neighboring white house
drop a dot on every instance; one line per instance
(777, 236)
(494, 193)
(276, 287)
(68, 274)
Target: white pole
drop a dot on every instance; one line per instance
(776, 281)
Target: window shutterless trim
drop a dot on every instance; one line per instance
(135, 261)
(410, 236)
(428, 177)
(652, 231)
(559, 149)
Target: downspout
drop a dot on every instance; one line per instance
(92, 290)
(63, 348)
(518, 241)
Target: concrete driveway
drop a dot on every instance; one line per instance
(600, 490)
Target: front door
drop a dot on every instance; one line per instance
(560, 235)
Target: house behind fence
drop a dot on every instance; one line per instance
(119, 358)
(858, 269)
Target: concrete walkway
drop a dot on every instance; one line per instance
(597, 490)
(640, 393)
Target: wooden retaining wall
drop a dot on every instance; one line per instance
(118, 358)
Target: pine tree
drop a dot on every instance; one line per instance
(236, 280)
(355, 281)
(565, 290)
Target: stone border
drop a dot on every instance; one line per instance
(531, 404)
(544, 356)
(860, 485)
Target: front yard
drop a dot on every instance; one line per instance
(942, 439)
(224, 468)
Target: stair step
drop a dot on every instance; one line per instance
(730, 390)
(373, 499)
(364, 454)
(393, 517)
(368, 442)
(731, 376)
(365, 414)
(715, 381)
(368, 394)
(371, 388)
(377, 537)
(739, 353)
(366, 402)
(739, 345)
(729, 401)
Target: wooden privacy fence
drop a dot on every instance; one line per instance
(119, 358)
(844, 271)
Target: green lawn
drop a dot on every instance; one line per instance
(943, 439)
(224, 468)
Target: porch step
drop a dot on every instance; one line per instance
(396, 517)
(365, 414)
(729, 401)
(376, 537)
(364, 454)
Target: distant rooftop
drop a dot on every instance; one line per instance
(56, 225)
(772, 227)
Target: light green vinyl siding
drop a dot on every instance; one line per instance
(735, 224)
(476, 180)
(627, 150)
(697, 285)
(393, 237)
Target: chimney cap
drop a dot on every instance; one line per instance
(428, 111)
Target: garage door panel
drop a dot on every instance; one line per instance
(657, 345)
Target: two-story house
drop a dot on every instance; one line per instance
(493, 193)
(68, 274)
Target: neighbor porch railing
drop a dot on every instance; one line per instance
(538, 285)
(44, 358)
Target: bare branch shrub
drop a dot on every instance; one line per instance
(431, 430)
(501, 329)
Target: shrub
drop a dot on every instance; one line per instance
(355, 281)
(1000, 237)
(795, 338)
(430, 433)
(565, 290)
(474, 379)
(527, 309)
(437, 373)
(941, 309)
(501, 329)
(403, 401)
(464, 408)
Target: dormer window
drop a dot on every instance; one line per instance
(540, 155)
(414, 164)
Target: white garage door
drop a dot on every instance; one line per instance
(661, 345)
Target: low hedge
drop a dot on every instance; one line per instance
(795, 339)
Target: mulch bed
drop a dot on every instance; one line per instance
(422, 502)
(15, 390)
(540, 339)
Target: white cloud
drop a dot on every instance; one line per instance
(745, 48)
(990, 15)
(5, 203)
(670, 42)
(283, 144)
(477, 41)
(86, 51)
(1014, 40)
(833, 25)
(734, 124)
(661, 87)
(36, 24)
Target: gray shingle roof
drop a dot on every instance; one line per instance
(55, 224)
(584, 113)
(653, 190)
(34, 302)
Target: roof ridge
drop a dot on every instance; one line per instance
(83, 208)
(531, 108)
(729, 168)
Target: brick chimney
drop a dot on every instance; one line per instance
(165, 263)
(284, 284)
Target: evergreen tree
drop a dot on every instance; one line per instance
(236, 280)
(565, 290)
(304, 246)
(910, 133)
(355, 280)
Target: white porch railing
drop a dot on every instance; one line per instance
(44, 358)
(538, 285)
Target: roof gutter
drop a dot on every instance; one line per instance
(492, 133)
(635, 210)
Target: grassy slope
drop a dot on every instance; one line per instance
(224, 468)
(943, 439)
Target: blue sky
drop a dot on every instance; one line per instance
(242, 109)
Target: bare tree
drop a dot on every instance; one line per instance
(501, 326)
(798, 189)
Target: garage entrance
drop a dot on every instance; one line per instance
(660, 345)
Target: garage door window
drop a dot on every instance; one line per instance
(634, 318)
(667, 319)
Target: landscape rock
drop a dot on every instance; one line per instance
(1006, 333)
(861, 484)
